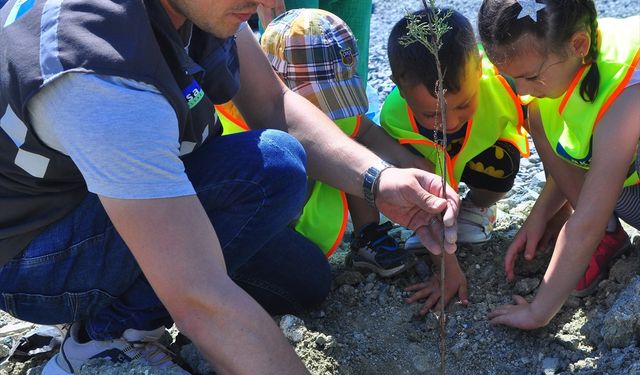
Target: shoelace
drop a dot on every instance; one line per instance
(154, 353)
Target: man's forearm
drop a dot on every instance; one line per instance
(332, 156)
(179, 253)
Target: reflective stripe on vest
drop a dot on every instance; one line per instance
(498, 117)
(325, 214)
(569, 122)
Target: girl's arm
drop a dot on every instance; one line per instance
(614, 144)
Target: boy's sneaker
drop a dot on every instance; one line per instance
(612, 245)
(413, 243)
(134, 345)
(475, 224)
(374, 249)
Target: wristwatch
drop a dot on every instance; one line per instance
(370, 181)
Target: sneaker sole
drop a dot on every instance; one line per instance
(594, 285)
(380, 271)
(53, 368)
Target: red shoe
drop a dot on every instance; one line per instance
(612, 245)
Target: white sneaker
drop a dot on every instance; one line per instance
(475, 224)
(134, 345)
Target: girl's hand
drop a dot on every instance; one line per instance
(520, 315)
(535, 237)
(528, 239)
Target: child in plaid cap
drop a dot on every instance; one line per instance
(355, 13)
(314, 52)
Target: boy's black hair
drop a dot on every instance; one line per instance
(414, 64)
(499, 28)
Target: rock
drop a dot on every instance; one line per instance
(569, 340)
(347, 290)
(382, 294)
(317, 314)
(622, 322)
(526, 286)
(550, 365)
(422, 269)
(190, 354)
(348, 278)
(624, 270)
(572, 302)
(293, 328)
(458, 350)
(371, 278)
(16, 329)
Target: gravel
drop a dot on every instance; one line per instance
(365, 327)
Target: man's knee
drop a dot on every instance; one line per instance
(318, 284)
(284, 164)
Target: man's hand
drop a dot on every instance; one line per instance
(455, 283)
(268, 13)
(412, 198)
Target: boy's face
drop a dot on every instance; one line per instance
(461, 105)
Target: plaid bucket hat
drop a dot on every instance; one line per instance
(315, 53)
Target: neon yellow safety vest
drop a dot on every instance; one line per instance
(499, 117)
(325, 215)
(569, 122)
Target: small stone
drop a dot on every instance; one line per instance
(317, 314)
(371, 278)
(422, 269)
(621, 322)
(624, 270)
(347, 290)
(292, 327)
(348, 278)
(458, 349)
(572, 302)
(526, 286)
(550, 365)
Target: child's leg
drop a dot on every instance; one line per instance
(361, 213)
(628, 206)
(484, 197)
(489, 176)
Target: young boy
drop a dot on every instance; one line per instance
(483, 124)
(315, 54)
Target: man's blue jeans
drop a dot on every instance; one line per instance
(251, 185)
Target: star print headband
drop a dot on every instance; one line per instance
(530, 9)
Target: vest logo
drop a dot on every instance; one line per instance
(193, 94)
(583, 163)
(346, 56)
(19, 9)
